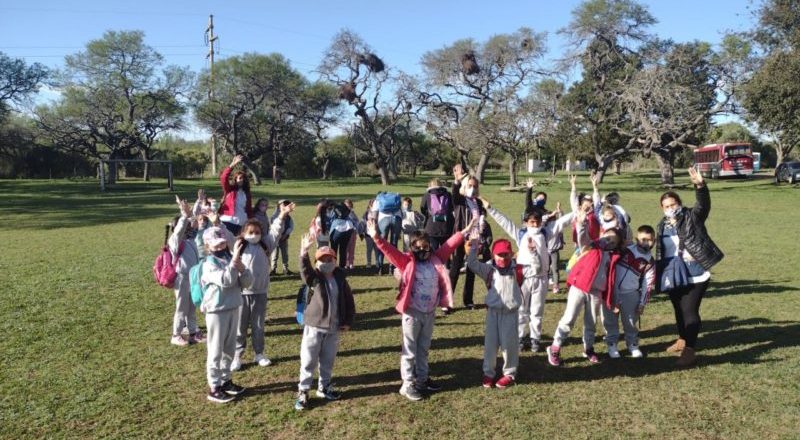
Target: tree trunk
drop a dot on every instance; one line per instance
(617, 167)
(512, 172)
(253, 176)
(483, 162)
(112, 169)
(384, 172)
(326, 168)
(393, 168)
(779, 154)
(665, 164)
(146, 166)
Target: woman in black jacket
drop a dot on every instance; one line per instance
(684, 254)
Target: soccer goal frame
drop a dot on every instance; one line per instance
(103, 162)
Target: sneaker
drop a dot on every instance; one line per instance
(523, 345)
(591, 356)
(446, 311)
(262, 361)
(197, 338)
(469, 306)
(302, 401)
(179, 341)
(287, 272)
(488, 382)
(273, 273)
(635, 352)
(411, 393)
(218, 396)
(505, 381)
(236, 364)
(613, 352)
(329, 394)
(556, 290)
(554, 355)
(429, 385)
(534, 346)
(231, 388)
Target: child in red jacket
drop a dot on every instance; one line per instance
(424, 285)
(589, 280)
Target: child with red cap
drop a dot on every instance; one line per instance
(329, 308)
(503, 299)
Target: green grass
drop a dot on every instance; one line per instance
(85, 333)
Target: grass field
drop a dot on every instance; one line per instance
(85, 333)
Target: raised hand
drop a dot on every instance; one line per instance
(305, 243)
(372, 228)
(572, 179)
(595, 178)
(458, 171)
(529, 182)
(470, 226)
(485, 202)
(286, 209)
(236, 159)
(695, 177)
(238, 247)
(558, 211)
(201, 194)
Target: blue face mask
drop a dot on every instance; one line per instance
(539, 203)
(224, 254)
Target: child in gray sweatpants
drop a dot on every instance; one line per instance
(329, 309)
(503, 299)
(223, 278)
(182, 245)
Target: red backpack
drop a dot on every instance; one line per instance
(164, 267)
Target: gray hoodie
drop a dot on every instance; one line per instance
(223, 285)
(504, 293)
(256, 259)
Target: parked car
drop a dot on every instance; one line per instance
(788, 172)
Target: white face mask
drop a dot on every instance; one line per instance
(253, 238)
(326, 268)
(671, 213)
(470, 192)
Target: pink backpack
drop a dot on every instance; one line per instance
(164, 267)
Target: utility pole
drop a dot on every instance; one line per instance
(211, 39)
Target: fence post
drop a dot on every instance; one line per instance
(102, 177)
(169, 179)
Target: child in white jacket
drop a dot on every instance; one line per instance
(223, 278)
(182, 245)
(503, 300)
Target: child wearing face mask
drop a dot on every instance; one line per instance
(182, 245)
(590, 279)
(223, 278)
(424, 285)
(330, 308)
(584, 202)
(256, 249)
(237, 205)
(634, 279)
(503, 300)
(412, 222)
(282, 246)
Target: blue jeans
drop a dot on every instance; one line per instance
(389, 229)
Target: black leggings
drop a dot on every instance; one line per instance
(686, 302)
(339, 243)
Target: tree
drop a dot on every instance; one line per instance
(473, 90)
(115, 103)
(382, 99)
(605, 36)
(18, 80)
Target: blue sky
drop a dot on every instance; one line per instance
(399, 31)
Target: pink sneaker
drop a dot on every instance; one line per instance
(197, 338)
(179, 341)
(505, 381)
(591, 355)
(554, 355)
(488, 382)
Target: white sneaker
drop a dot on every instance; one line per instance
(262, 361)
(236, 365)
(613, 352)
(635, 352)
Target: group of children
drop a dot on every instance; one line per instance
(611, 275)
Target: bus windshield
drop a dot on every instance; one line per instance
(737, 150)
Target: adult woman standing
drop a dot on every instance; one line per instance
(237, 204)
(684, 254)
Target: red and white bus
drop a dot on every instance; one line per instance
(721, 160)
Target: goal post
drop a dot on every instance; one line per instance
(109, 162)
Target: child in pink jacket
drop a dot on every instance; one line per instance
(424, 285)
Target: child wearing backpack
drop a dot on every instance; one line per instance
(424, 285)
(437, 208)
(223, 276)
(257, 247)
(503, 300)
(184, 255)
(342, 228)
(329, 309)
(412, 222)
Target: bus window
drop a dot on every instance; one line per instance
(737, 150)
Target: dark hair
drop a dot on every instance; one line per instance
(322, 208)
(348, 202)
(581, 196)
(535, 214)
(612, 198)
(262, 199)
(407, 199)
(646, 229)
(671, 195)
(540, 193)
(170, 228)
(246, 186)
(417, 236)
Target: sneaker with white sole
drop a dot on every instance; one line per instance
(197, 337)
(554, 355)
(231, 388)
(179, 341)
(429, 385)
(635, 352)
(613, 352)
(410, 392)
(236, 364)
(329, 394)
(301, 402)
(591, 355)
(262, 361)
(216, 395)
(534, 345)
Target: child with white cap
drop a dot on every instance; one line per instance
(223, 278)
(329, 308)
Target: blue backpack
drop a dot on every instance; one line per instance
(195, 284)
(388, 203)
(302, 297)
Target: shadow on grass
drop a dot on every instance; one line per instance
(738, 287)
